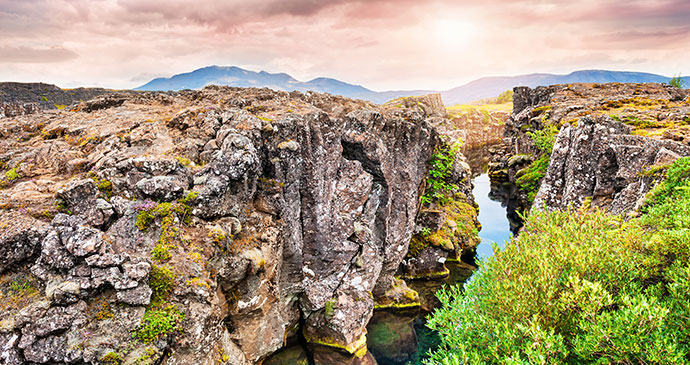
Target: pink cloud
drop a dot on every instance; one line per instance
(379, 43)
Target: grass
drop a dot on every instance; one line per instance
(580, 286)
(484, 108)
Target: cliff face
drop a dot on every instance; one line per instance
(204, 226)
(603, 135)
(598, 160)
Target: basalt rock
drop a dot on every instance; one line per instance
(238, 217)
(599, 160)
(619, 121)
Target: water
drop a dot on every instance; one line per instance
(492, 215)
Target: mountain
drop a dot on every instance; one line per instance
(235, 76)
(485, 87)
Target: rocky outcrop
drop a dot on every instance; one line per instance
(18, 98)
(641, 115)
(447, 224)
(205, 226)
(598, 160)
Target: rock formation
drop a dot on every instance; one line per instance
(26, 98)
(205, 226)
(604, 135)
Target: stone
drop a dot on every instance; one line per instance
(601, 160)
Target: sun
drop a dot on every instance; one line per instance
(453, 33)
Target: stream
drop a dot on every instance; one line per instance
(401, 337)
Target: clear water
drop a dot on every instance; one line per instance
(492, 216)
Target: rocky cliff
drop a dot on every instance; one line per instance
(571, 143)
(206, 226)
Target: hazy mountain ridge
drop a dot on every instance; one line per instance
(478, 89)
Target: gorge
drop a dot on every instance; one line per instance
(225, 224)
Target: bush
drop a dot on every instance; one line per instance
(677, 81)
(580, 287)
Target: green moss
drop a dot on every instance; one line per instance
(144, 219)
(160, 253)
(159, 323)
(61, 207)
(112, 358)
(542, 109)
(393, 305)
(106, 187)
(161, 280)
(354, 348)
(184, 161)
(11, 174)
(329, 308)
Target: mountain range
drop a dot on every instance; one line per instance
(485, 87)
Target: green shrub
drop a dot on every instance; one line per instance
(677, 81)
(580, 287)
(505, 97)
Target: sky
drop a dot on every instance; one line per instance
(381, 44)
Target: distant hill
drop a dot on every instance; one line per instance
(235, 76)
(485, 87)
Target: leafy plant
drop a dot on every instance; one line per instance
(161, 280)
(677, 81)
(438, 188)
(159, 323)
(579, 287)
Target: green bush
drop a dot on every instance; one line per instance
(505, 97)
(677, 81)
(580, 287)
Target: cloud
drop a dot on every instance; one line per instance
(382, 44)
(35, 55)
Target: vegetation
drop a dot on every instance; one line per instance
(441, 169)
(161, 318)
(11, 174)
(528, 178)
(578, 287)
(159, 323)
(505, 97)
(161, 281)
(677, 81)
(502, 103)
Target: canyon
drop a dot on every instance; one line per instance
(220, 225)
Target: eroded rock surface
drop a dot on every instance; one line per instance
(599, 160)
(608, 133)
(204, 226)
